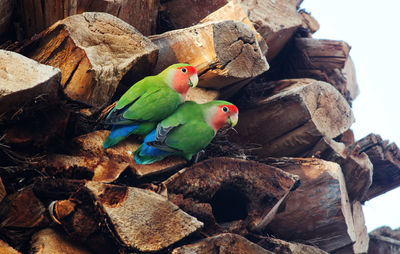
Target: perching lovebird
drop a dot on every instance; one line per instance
(187, 131)
(149, 101)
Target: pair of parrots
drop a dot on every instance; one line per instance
(155, 107)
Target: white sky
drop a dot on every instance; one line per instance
(373, 31)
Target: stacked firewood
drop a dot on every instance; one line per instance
(290, 179)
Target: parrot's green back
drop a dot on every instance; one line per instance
(193, 132)
(150, 100)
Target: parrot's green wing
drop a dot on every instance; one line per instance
(148, 100)
(185, 132)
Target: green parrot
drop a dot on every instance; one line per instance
(187, 131)
(149, 101)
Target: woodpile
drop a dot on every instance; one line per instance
(289, 179)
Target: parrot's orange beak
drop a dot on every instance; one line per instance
(193, 80)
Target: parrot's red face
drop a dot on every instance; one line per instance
(225, 115)
(184, 78)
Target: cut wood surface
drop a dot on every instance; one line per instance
(222, 52)
(50, 241)
(24, 81)
(319, 211)
(386, 160)
(296, 117)
(231, 194)
(222, 244)
(140, 14)
(281, 246)
(234, 11)
(94, 51)
(143, 219)
(276, 21)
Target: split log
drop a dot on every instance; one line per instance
(21, 214)
(222, 244)
(89, 160)
(143, 220)
(382, 245)
(296, 117)
(37, 16)
(230, 195)
(275, 21)
(24, 81)
(102, 215)
(223, 52)
(49, 241)
(7, 249)
(281, 246)
(94, 51)
(386, 160)
(5, 15)
(356, 166)
(319, 211)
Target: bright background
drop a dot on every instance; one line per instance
(373, 31)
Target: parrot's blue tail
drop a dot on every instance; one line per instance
(118, 133)
(146, 154)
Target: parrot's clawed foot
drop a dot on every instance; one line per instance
(199, 155)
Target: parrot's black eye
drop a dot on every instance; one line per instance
(184, 70)
(225, 109)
